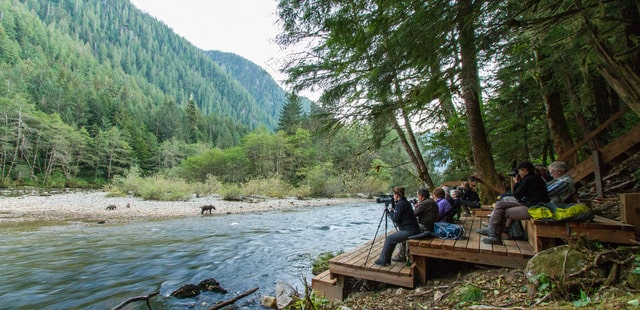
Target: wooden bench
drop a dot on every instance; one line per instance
(543, 235)
(483, 211)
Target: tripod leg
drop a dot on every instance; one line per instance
(376, 234)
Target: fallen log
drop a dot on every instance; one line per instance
(232, 300)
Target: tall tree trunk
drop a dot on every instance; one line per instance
(470, 80)
(558, 126)
(410, 145)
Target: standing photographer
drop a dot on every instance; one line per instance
(402, 216)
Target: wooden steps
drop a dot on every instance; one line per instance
(327, 286)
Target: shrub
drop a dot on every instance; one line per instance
(157, 187)
(210, 186)
(321, 263)
(163, 189)
(231, 192)
(270, 187)
(300, 191)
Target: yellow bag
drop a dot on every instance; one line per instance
(565, 213)
(540, 213)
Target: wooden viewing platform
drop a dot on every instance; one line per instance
(359, 263)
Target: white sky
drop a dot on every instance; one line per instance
(244, 27)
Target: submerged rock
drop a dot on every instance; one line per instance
(211, 285)
(186, 291)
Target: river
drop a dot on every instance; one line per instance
(92, 266)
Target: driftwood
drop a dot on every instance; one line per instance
(137, 298)
(232, 300)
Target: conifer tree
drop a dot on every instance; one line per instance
(291, 116)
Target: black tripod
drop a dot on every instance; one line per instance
(385, 216)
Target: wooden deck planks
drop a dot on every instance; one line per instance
(360, 263)
(471, 248)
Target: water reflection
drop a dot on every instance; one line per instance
(89, 266)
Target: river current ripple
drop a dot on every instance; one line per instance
(91, 266)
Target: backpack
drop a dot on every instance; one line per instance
(554, 213)
(444, 230)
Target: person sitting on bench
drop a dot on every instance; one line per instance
(402, 216)
(561, 188)
(426, 210)
(469, 198)
(529, 190)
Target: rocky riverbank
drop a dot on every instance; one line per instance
(100, 207)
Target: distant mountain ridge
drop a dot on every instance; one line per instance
(164, 65)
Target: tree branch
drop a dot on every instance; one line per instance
(137, 298)
(232, 300)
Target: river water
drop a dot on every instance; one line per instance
(91, 266)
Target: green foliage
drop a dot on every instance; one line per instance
(92, 88)
(210, 186)
(227, 165)
(310, 301)
(469, 294)
(165, 189)
(157, 187)
(321, 263)
(271, 187)
(231, 192)
(292, 116)
(636, 263)
(318, 178)
(546, 284)
(77, 84)
(584, 300)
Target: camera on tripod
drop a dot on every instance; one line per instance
(387, 199)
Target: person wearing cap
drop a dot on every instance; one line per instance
(529, 189)
(407, 225)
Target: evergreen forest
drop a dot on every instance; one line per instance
(415, 93)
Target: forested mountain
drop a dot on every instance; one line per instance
(96, 67)
(254, 79)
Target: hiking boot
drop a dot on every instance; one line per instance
(494, 235)
(487, 230)
(492, 240)
(381, 262)
(399, 258)
(516, 232)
